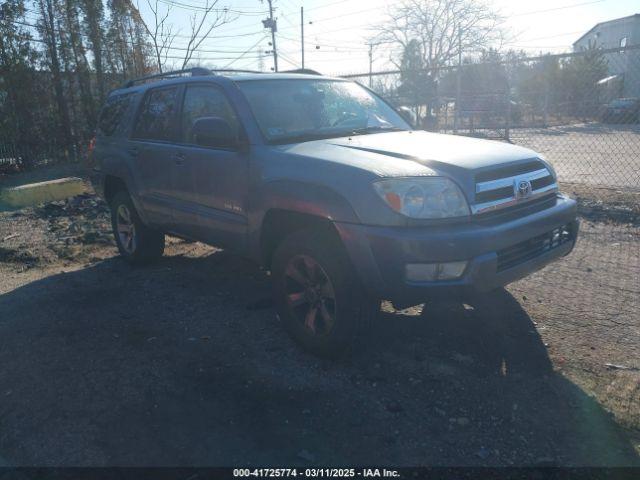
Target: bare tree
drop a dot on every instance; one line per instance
(161, 35)
(442, 28)
(203, 21)
(202, 24)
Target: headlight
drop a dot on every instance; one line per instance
(549, 166)
(423, 197)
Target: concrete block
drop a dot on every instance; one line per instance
(43, 192)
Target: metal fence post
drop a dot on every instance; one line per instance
(458, 84)
(545, 105)
(456, 111)
(507, 126)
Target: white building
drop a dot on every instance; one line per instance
(624, 65)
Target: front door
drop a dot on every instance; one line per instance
(209, 184)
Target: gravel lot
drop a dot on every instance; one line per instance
(591, 154)
(184, 363)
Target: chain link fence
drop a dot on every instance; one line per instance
(580, 110)
(15, 158)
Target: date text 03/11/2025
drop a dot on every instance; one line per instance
(316, 473)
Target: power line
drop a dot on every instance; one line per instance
(245, 52)
(350, 27)
(210, 37)
(186, 6)
(556, 8)
(288, 60)
(179, 48)
(170, 57)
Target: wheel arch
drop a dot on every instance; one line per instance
(113, 184)
(291, 205)
(279, 223)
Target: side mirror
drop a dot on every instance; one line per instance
(213, 132)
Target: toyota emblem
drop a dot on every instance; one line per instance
(523, 188)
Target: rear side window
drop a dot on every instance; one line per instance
(112, 113)
(156, 118)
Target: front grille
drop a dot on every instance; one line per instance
(519, 209)
(499, 187)
(534, 247)
(509, 171)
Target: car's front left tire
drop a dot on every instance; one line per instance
(136, 242)
(317, 295)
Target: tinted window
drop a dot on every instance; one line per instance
(112, 113)
(156, 118)
(204, 101)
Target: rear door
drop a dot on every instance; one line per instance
(153, 151)
(209, 185)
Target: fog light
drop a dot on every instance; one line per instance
(430, 272)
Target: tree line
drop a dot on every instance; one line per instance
(60, 58)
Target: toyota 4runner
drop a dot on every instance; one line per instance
(327, 186)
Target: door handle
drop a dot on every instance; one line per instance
(179, 159)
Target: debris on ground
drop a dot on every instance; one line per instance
(612, 366)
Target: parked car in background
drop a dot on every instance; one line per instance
(622, 110)
(329, 188)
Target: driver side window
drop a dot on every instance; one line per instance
(205, 101)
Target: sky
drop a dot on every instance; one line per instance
(337, 31)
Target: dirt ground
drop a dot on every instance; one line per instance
(184, 363)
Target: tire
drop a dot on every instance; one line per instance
(341, 309)
(137, 243)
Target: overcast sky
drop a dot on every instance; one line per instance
(335, 40)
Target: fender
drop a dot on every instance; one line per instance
(119, 169)
(296, 197)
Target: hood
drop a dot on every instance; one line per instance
(413, 153)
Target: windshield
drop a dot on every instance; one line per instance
(301, 109)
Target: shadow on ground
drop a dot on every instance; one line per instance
(184, 363)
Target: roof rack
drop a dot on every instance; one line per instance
(234, 70)
(195, 71)
(308, 71)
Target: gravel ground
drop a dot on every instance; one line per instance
(184, 363)
(592, 154)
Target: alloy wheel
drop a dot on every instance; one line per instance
(126, 229)
(310, 294)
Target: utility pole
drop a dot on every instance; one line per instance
(302, 33)
(272, 24)
(371, 65)
(456, 118)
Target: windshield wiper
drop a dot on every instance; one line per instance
(374, 129)
(304, 137)
(310, 136)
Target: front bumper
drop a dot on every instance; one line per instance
(379, 254)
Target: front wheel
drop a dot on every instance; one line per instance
(137, 243)
(317, 295)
